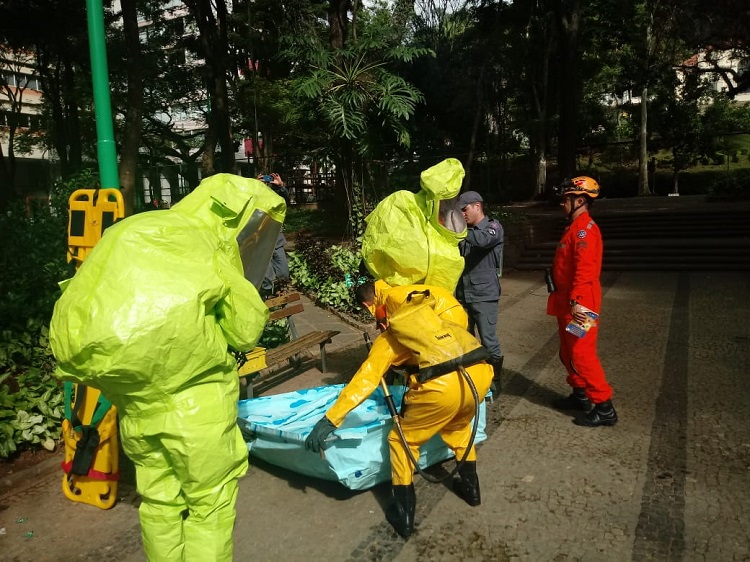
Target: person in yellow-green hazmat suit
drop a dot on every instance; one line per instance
(413, 237)
(149, 320)
(439, 403)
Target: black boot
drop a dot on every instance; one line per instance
(497, 371)
(577, 400)
(600, 414)
(466, 485)
(400, 514)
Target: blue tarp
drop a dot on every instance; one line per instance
(275, 428)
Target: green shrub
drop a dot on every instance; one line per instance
(326, 273)
(33, 253)
(31, 399)
(275, 333)
(33, 246)
(730, 188)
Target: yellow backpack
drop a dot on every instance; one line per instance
(439, 346)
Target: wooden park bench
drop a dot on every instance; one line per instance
(261, 366)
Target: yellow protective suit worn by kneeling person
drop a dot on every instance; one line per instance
(446, 305)
(386, 351)
(148, 319)
(442, 405)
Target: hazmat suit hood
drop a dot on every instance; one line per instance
(160, 298)
(413, 238)
(223, 202)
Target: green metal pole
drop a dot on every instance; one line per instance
(105, 146)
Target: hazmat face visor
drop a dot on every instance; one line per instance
(257, 241)
(450, 216)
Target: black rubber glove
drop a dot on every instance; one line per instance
(320, 432)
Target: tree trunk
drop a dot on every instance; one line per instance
(539, 160)
(643, 188)
(15, 62)
(72, 123)
(8, 190)
(403, 11)
(338, 11)
(6, 185)
(52, 87)
(60, 91)
(568, 21)
(643, 169)
(539, 97)
(215, 49)
(474, 128)
(540, 172)
(223, 123)
(154, 181)
(343, 189)
(208, 161)
(263, 153)
(134, 110)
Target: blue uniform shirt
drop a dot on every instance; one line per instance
(481, 250)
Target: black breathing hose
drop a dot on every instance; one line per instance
(397, 423)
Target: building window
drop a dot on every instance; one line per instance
(30, 82)
(26, 81)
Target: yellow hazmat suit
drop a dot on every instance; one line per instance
(413, 238)
(147, 320)
(441, 405)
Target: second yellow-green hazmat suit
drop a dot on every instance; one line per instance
(413, 237)
(147, 320)
(441, 405)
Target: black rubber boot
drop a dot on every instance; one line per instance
(497, 371)
(466, 486)
(577, 400)
(400, 514)
(600, 414)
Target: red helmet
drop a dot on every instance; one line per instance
(581, 185)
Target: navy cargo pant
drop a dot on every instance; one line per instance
(483, 315)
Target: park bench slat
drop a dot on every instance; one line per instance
(285, 306)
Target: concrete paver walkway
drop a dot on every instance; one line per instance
(671, 481)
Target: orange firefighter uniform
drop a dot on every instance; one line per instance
(575, 270)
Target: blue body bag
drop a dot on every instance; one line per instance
(275, 428)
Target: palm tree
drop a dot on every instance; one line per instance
(359, 98)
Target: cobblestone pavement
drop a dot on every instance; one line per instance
(671, 481)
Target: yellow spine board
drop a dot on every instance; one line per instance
(99, 487)
(90, 212)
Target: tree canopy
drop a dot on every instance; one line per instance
(543, 86)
